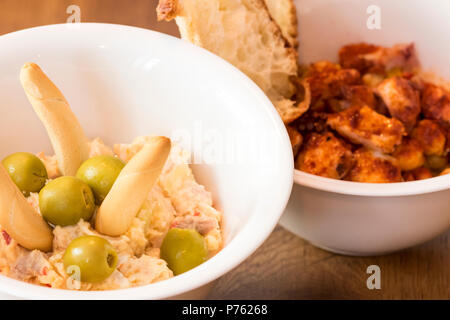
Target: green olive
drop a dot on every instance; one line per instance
(27, 171)
(183, 249)
(66, 200)
(100, 173)
(90, 258)
(436, 162)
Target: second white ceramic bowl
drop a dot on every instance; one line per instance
(367, 219)
(360, 218)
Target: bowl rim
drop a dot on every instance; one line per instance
(241, 246)
(435, 184)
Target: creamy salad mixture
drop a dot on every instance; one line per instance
(92, 217)
(177, 200)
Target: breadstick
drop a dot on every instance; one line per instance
(65, 132)
(19, 219)
(131, 188)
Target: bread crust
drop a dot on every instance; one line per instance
(276, 80)
(19, 219)
(64, 130)
(166, 10)
(284, 14)
(132, 186)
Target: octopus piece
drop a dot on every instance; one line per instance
(409, 154)
(311, 122)
(431, 137)
(447, 146)
(408, 176)
(401, 56)
(446, 171)
(359, 56)
(326, 80)
(376, 59)
(436, 103)
(402, 101)
(373, 167)
(369, 128)
(296, 139)
(359, 95)
(422, 173)
(325, 155)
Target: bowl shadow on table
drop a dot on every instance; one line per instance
(288, 267)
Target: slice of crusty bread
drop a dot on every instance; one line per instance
(285, 15)
(243, 33)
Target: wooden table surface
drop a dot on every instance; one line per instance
(285, 267)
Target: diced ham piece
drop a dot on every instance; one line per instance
(431, 137)
(30, 265)
(202, 224)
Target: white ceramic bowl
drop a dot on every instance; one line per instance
(123, 82)
(360, 218)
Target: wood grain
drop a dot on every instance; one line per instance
(285, 267)
(21, 14)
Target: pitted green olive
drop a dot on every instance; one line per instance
(91, 258)
(66, 200)
(183, 249)
(100, 173)
(27, 171)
